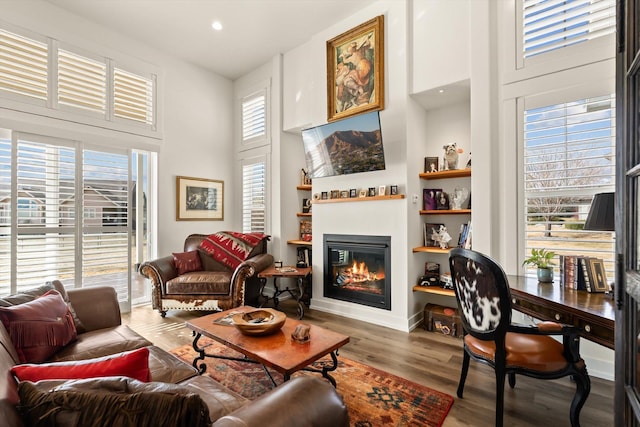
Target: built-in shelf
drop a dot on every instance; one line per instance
(360, 199)
(434, 290)
(431, 250)
(445, 212)
(304, 214)
(299, 242)
(304, 187)
(456, 173)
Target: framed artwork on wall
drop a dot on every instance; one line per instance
(199, 199)
(355, 70)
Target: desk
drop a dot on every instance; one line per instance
(592, 313)
(302, 294)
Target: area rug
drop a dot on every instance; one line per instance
(373, 397)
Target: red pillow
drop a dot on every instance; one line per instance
(187, 261)
(132, 364)
(39, 328)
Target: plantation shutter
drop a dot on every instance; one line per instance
(553, 24)
(105, 231)
(45, 211)
(253, 196)
(133, 97)
(254, 117)
(569, 156)
(5, 214)
(23, 65)
(82, 82)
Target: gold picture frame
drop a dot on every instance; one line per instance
(199, 199)
(355, 70)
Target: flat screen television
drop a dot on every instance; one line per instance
(351, 145)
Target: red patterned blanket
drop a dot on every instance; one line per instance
(231, 248)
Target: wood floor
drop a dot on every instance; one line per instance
(427, 358)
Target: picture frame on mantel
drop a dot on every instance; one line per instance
(355, 70)
(199, 199)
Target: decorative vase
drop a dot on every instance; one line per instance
(545, 275)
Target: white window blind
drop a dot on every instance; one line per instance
(553, 24)
(23, 65)
(253, 196)
(254, 116)
(133, 97)
(569, 156)
(82, 82)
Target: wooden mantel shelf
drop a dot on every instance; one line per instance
(456, 173)
(359, 199)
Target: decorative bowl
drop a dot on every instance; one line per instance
(264, 321)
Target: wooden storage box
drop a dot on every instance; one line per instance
(442, 319)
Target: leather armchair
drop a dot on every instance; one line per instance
(215, 287)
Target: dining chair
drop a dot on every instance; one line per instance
(484, 300)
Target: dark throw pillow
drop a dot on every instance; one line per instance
(39, 328)
(110, 402)
(132, 364)
(187, 262)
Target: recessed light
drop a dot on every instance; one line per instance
(216, 25)
(441, 91)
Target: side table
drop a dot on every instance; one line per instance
(302, 294)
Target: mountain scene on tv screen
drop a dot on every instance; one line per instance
(355, 151)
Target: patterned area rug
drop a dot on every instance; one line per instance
(373, 397)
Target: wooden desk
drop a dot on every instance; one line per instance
(592, 313)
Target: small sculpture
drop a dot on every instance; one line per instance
(450, 159)
(301, 333)
(459, 198)
(441, 237)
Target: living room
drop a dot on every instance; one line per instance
(198, 113)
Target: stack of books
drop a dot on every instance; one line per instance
(583, 273)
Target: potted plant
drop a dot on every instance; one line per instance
(543, 259)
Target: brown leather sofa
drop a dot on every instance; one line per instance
(215, 287)
(308, 401)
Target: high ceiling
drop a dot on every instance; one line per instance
(253, 30)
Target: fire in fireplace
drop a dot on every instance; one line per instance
(356, 269)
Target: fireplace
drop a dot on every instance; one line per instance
(358, 269)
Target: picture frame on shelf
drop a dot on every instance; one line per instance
(431, 164)
(371, 192)
(382, 190)
(355, 70)
(353, 193)
(363, 193)
(335, 194)
(442, 200)
(393, 190)
(344, 194)
(429, 198)
(199, 199)
(306, 231)
(429, 229)
(324, 195)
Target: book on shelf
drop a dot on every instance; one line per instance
(570, 271)
(464, 241)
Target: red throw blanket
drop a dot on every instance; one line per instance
(231, 248)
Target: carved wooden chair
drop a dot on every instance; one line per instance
(484, 299)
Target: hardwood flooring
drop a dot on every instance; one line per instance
(428, 358)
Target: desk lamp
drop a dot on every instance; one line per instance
(602, 215)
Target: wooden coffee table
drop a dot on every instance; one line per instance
(278, 351)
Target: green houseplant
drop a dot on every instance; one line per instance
(543, 259)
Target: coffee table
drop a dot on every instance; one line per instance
(278, 351)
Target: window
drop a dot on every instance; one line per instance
(569, 155)
(79, 83)
(41, 235)
(254, 117)
(551, 24)
(254, 196)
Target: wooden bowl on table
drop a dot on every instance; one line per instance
(263, 321)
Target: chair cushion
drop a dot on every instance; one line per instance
(536, 353)
(39, 328)
(133, 364)
(113, 401)
(201, 283)
(187, 262)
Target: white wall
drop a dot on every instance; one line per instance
(196, 109)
